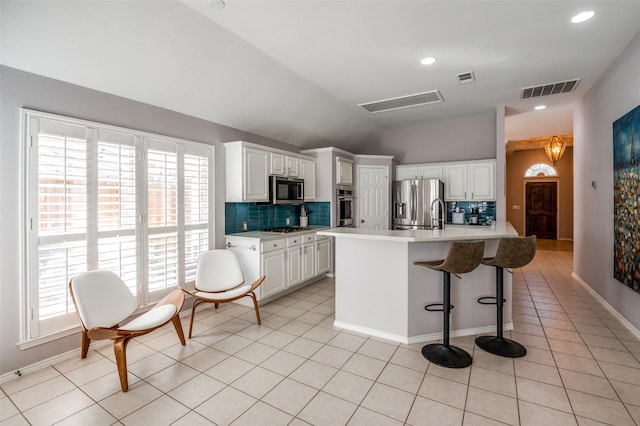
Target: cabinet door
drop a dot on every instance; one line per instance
(404, 172)
(481, 181)
(292, 166)
(430, 172)
(455, 182)
(308, 261)
(294, 267)
(256, 175)
(278, 165)
(273, 266)
(344, 172)
(308, 173)
(323, 256)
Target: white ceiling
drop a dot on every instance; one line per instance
(296, 70)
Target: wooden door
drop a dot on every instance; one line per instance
(542, 209)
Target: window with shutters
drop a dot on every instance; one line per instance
(104, 197)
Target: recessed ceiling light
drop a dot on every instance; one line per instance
(428, 60)
(583, 16)
(539, 107)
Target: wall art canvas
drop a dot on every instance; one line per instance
(626, 176)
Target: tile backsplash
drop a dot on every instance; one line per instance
(486, 210)
(261, 216)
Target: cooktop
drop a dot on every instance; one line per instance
(283, 229)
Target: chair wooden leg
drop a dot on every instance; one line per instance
(255, 306)
(120, 350)
(178, 326)
(193, 311)
(86, 341)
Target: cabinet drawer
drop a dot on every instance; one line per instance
(270, 245)
(308, 238)
(294, 241)
(321, 237)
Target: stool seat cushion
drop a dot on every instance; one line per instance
(513, 252)
(462, 257)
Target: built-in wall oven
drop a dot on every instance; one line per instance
(344, 206)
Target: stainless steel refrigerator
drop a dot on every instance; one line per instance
(415, 203)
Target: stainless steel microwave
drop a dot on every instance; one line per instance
(286, 190)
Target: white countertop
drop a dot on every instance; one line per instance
(450, 233)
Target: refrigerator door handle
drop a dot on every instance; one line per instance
(414, 201)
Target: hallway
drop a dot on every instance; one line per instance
(582, 367)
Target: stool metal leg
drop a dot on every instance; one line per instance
(499, 345)
(444, 354)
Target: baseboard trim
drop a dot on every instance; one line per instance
(48, 362)
(422, 338)
(606, 304)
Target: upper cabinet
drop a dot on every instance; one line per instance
(248, 167)
(308, 173)
(463, 181)
(284, 165)
(247, 173)
(423, 171)
(470, 181)
(344, 171)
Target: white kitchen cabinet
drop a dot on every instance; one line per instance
(248, 167)
(455, 178)
(406, 172)
(293, 166)
(323, 255)
(482, 180)
(344, 171)
(247, 173)
(294, 260)
(308, 173)
(424, 171)
(469, 181)
(274, 267)
(433, 171)
(278, 164)
(308, 259)
(286, 262)
(284, 165)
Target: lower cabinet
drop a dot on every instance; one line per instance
(286, 262)
(323, 255)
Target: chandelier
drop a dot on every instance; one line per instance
(555, 148)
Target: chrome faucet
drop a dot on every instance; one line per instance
(434, 221)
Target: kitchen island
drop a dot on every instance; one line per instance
(380, 292)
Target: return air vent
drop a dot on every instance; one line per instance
(466, 77)
(549, 89)
(432, 97)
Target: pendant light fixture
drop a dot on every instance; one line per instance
(555, 148)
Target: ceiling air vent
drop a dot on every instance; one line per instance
(432, 97)
(549, 89)
(466, 77)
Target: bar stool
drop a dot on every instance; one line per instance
(511, 253)
(462, 257)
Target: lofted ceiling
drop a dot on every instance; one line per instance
(297, 71)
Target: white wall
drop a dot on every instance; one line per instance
(616, 93)
(463, 138)
(20, 89)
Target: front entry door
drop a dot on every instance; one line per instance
(542, 209)
(373, 197)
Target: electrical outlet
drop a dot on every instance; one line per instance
(287, 221)
(245, 226)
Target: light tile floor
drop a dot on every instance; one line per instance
(582, 367)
